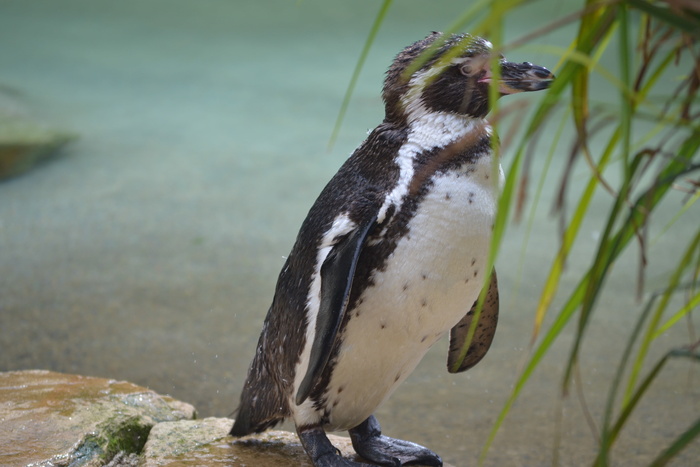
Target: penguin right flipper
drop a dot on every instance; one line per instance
(483, 336)
(337, 274)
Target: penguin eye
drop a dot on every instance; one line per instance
(466, 67)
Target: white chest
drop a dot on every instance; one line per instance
(431, 280)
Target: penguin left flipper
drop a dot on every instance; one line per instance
(483, 336)
(337, 273)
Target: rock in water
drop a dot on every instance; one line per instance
(24, 144)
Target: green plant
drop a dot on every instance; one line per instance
(654, 39)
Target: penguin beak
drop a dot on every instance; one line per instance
(521, 77)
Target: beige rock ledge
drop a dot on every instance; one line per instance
(206, 443)
(53, 420)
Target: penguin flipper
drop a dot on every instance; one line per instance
(337, 273)
(483, 336)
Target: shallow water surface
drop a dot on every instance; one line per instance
(149, 250)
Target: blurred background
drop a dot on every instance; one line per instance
(148, 249)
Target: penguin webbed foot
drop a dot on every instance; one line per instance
(368, 441)
(321, 451)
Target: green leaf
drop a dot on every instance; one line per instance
(358, 68)
(687, 22)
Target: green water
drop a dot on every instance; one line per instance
(149, 250)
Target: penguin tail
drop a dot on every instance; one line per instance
(254, 417)
(263, 405)
(243, 425)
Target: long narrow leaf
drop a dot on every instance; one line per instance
(358, 68)
(606, 440)
(686, 23)
(630, 405)
(547, 340)
(687, 437)
(552, 282)
(504, 201)
(687, 308)
(674, 281)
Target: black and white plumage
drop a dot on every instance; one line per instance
(391, 257)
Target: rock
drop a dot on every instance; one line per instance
(53, 419)
(206, 442)
(25, 143)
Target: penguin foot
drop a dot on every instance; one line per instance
(321, 451)
(368, 441)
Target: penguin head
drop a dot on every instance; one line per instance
(455, 79)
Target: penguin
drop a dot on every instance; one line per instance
(390, 258)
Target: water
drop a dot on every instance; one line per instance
(149, 251)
